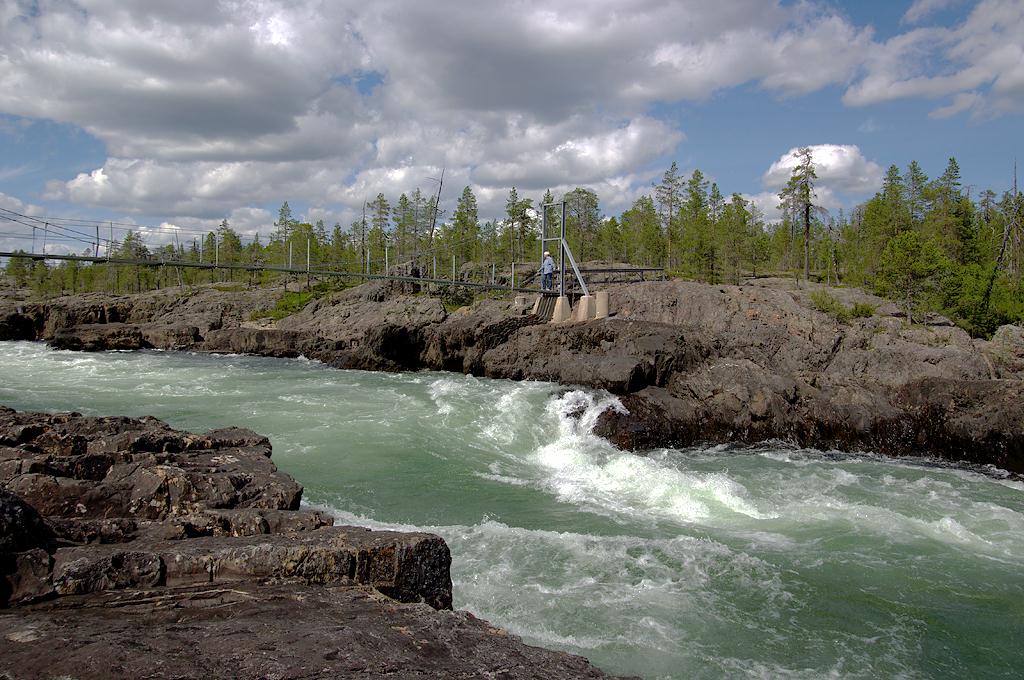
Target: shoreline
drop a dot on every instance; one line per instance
(692, 363)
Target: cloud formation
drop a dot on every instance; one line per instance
(982, 63)
(841, 167)
(208, 106)
(922, 8)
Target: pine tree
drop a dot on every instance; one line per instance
(583, 218)
(642, 233)
(908, 264)
(797, 199)
(916, 183)
(466, 226)
(404, 219)
(698, 245)
(230, 244)
(669, 197)
(380, 221)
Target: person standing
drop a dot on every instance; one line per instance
(547, 270)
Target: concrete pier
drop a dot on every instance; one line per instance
(585, 308)
(562, 310)
(601, 311)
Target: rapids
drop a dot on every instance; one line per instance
(766, 561)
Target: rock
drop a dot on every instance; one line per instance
(21, 526)
(1006, 352)
(99, 337)
(16, 325)
(72, 466)
(267, 342)
(172, 554)
(249, 631)
(25, 540)
(407, 567)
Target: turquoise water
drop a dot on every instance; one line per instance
(699, 563)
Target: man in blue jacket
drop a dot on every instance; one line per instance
(547, 268)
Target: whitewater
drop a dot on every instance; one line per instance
(767, 561)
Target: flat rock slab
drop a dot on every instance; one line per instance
(409, 567)
(279, 631)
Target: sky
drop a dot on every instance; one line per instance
(176, 115)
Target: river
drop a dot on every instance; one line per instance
(707, 562)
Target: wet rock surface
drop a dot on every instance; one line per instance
(692, 362)
(139, 550)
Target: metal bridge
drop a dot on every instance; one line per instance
(642, 272)
(238, 266)
(63, 232)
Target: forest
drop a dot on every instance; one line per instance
(928, 244)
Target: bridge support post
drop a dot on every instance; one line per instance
(601, 312)
(584, 308)
(562, 310)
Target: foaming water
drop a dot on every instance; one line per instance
(766, 562)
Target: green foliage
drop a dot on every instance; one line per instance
(825, 302)
(862, 310)
(19, 269)
(289, 303)
(230, 287)
(908, 268)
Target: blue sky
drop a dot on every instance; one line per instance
(182, 114)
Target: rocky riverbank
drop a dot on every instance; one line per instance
(691, 362)
(129, 549)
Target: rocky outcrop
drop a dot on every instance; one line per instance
(275, 630)
(116, 531)
(165, 319)
(693, 362)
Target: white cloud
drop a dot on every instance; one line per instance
(19, 233)
(203, 106)
(964, 101)
(922, 8)
(768, 203)
(208, 105)
(839, 167)
(583, 159)
(18, 206)
(982, 57)
(842, 172)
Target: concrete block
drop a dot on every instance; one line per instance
(584, 308)
(602, 305)
(562, 310)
